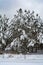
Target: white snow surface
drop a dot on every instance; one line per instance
(11, 59)
(40, 37)
(31, 44)
(3, 41)
(23, 35)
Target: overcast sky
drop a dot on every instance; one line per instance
(9, 7)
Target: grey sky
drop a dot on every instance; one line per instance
(9, 7)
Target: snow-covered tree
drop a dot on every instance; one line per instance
(3, 28)
(23, 31)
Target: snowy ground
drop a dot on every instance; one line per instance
(21, 59)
